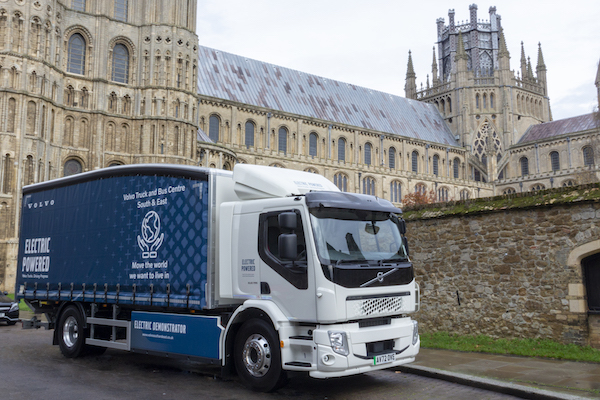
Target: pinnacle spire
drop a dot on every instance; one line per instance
(523, 63)
(410, 71)
(434, 68)
(503, 49)
(410, 87)
(529, 69)
(540, 62)
(461, 54)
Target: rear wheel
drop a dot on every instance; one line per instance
(71, 335)
(257, 356)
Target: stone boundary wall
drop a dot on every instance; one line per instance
(508, 266)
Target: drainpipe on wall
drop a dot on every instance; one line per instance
(447, 162)
(537, 158)
(329, 142)
(381, 150)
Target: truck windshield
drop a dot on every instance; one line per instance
(344, 235)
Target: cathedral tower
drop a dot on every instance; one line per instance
(89, 84)
(485, 104)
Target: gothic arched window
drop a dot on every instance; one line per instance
(121, 10)
(120, 64)
(420, 188)
(283, 133)
(342, 149)
(392, 158)
(443, 194)
(341, 181)
(456, 167)
(555, 160)
(369, 185)
(414, 158)
(214, 125)
(588, 156)
(78, 5)
(249, 134)
(312, 144)
(76, 54)
(436, 165)
(395, 191)
(524, 166)
(368, 150)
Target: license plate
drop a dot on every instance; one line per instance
(1, 315)
(384, 359)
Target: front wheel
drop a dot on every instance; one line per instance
(257, 356)
(71, 335)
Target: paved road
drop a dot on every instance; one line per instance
(31, 368)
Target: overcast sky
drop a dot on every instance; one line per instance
(366, 43)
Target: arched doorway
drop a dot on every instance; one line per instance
(585, 296)
(591, 276)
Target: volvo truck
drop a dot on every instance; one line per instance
(258, 270)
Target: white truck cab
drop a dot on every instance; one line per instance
(330, 270)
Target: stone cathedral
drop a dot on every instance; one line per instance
(91, 84)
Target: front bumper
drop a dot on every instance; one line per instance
(321, 361)
(9, 316)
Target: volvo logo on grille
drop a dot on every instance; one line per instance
(380, 277)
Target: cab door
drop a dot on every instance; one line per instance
(288, 282)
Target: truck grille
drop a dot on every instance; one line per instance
(374, 307)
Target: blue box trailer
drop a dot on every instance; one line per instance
(126, 236)
(132, 240)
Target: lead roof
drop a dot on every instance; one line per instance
(232, 77)
(560, 127)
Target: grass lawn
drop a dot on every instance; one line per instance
(520, 347)
(22, 305)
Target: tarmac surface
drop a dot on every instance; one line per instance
(525, 377)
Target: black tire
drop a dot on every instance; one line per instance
(70, 333)
(257, 356)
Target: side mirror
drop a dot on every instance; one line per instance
(402, 226)
(288, 245)
(287, 220)
(400, 223)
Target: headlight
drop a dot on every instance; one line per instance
(14, 307)
(339, 342)
(415, 337)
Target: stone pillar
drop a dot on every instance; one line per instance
(594, 326)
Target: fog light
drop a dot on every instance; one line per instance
(328, 359)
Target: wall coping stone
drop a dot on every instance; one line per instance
(589, 193)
